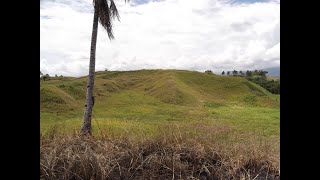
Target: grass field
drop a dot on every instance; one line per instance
(230, 114)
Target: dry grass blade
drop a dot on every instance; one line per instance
(73, 157)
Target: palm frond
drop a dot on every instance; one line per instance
(114, 10)
(106, 14)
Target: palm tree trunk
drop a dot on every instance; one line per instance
(86, 126)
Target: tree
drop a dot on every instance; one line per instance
(263, 73)
(104, 12)
(56, 75)
(241, 73)
(45, 77)
(234, 73)
(248, 73)
(222, 73)
(228, 73)
(208, 72)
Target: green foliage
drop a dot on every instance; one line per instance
(234, 73)
(259, 77)
(45, 77)
(270, 85)
(241, 73)
(248, 73)
(208, 72)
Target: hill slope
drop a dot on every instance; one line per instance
(151, 98)
(166, 86)
(194, 114)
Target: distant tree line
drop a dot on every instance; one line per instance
(46, 77)
(258, 77)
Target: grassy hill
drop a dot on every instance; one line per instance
(162, 110)
(156, 97)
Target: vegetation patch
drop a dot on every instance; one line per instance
(143, 121)
(166, 157)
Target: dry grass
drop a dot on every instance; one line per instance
(169, 156)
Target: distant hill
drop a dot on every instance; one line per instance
(274, 71)
(176, 87)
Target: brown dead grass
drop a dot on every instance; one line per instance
(165, 157)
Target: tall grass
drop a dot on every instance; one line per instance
(170, 155)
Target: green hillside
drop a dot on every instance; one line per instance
(145, 102)
(155, 118)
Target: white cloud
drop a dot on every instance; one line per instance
(179, 34)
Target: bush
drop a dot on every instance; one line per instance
(45, 77)
(208, 72)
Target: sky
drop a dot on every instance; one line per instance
(217, 35)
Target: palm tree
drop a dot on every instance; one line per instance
(104, 12)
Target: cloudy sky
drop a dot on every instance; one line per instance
(163, 34)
